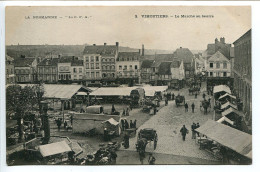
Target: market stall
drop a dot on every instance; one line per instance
(231, 144)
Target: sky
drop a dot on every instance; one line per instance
(119, 24)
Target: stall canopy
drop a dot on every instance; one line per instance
(221, 88)
(232, 110)
(62, 91)
(54, 148)
(112, 91)
(81, 94)
(111, 121)
(229, 137)
(227, 95)
(226, 120)
(227, 105)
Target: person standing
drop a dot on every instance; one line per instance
(135, 123)
(131, 124)
(141, 156)
(59, 124)
(186, 107)
(184, 131)
(126, 124)
(123, 124)
(151, 159)
(154, 110)
(203, 95)
(126, 141)
(173, 96)
(193, 107)
(193, 127)
(166, 101)
(196, 95)
(113, 109)
(197, 126)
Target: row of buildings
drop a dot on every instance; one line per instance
(103, 64)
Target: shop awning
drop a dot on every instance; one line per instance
(226, 120)
(232, 110)
(54, 148)
(228, 104)
(221, 88)
(231, 138)
(227, 95)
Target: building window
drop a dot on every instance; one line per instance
(131, 67)
(75, 70)
(120, 67)
(80, 76)
(97, 59)
(136, 67)
(87, 66)
(97, 74)
(7, 72)
(112, 67)
(87, 74)
(87, 59)
(211, 65)
(92, 74)
(125, 67)
(75, 76)
(97, 65)
(211, 74)
(92, 59)
(225, 65)
(112, 60)
(104, 67)
(92, 65)
(224, 74)
(218, 65)
(80, 70)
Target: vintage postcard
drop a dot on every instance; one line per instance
(128, 85)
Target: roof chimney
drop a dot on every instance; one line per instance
(94, 44)
(222, 40)
(117, 44)
(105, 44)
(142, 49)
(216, 40)
(180, 47)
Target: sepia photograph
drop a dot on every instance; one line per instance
(128, 85)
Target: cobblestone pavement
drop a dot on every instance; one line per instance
(168, 122)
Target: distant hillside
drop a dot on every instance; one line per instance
(16, 51)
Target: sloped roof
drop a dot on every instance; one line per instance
(49, 62)
(111, 121)
(225, 119)
(77, 63)
(100, 49)
(23, 62)
(147, 63)
(228, 104)
(234, 139)
(112, 91)
(165, 68)
(54, 148)
(183, 54)
(159, 58)
(218, 56)
(61, 91)
(220, 88)
(225, 95)
(232, 110)
(129, 55)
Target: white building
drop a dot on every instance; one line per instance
(177, 70)
(77, 70)
(218, 65)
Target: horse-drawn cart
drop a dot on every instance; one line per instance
(179, 100)
(146, 136)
